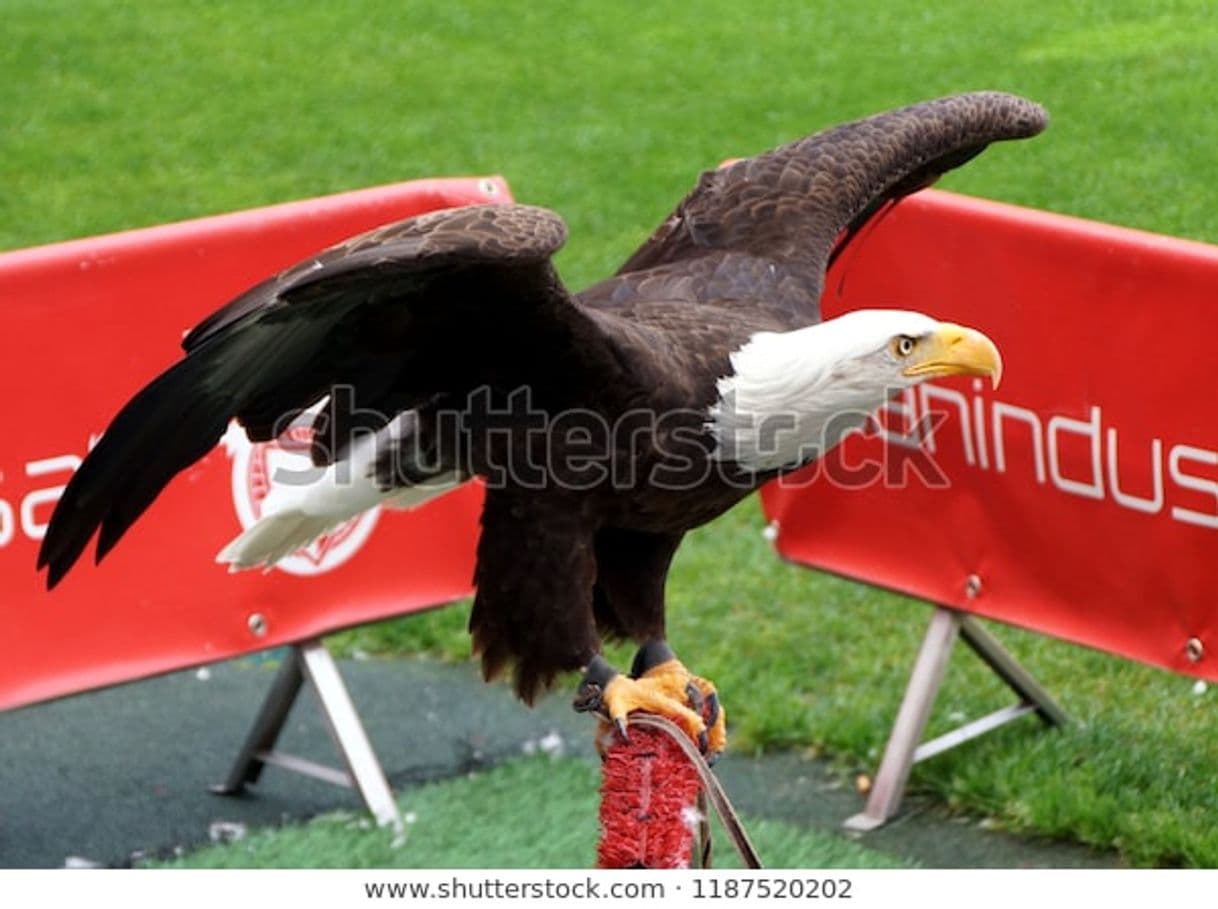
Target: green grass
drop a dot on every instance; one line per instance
(118, 115)
(559, 831)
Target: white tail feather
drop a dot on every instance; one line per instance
(272, 538)
(281, 533)
(295, 515)
(408, 498)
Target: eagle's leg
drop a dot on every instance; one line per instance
(658, 683)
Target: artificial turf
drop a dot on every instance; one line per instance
(475, 822)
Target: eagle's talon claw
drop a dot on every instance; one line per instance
(694, 695)
(589, 698)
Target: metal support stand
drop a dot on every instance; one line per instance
(903, 750)
(311, 661)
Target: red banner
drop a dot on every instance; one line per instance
(1080, 498)
(85, 324)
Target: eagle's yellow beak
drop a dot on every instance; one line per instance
(953, 350)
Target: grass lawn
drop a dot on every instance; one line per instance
(559, 832)
(117, 115)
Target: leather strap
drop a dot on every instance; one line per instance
(712, 791)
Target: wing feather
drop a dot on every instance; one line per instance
(767, 226)
(278, 349)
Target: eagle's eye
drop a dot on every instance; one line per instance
(903, 345)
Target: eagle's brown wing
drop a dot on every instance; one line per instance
(765, 228)
(425, 305)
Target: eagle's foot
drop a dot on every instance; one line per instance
(661, 686)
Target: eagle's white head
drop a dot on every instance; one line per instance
(794, 395)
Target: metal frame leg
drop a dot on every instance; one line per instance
(311, 661)
(267, 726)
(903, 749)
(986, 646)
(889, 784)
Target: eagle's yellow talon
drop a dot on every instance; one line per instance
(619, 723)
(668, 690)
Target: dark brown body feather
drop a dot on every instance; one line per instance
(424, 314)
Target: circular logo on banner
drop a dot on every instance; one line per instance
(259, 472)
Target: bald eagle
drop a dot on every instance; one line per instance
(606, 423)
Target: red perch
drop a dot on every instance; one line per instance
(649, 796)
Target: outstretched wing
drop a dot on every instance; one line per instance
(427, 304)
(765, 228)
